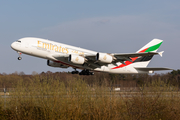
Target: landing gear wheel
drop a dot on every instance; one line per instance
(75, 72)
(91, 73)
(86, 72)
(19, 58)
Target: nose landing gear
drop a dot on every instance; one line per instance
(19, 58)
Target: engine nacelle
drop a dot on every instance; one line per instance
(55, 64)
(104, 58)
(76, 59)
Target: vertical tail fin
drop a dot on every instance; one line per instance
(152, 46)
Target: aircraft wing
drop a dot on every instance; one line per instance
(120, 57)
(152, 69)
(130, 55)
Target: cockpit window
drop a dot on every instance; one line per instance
(19, 41)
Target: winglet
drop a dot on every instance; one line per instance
(161, 53)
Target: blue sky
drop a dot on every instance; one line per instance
(116, 26)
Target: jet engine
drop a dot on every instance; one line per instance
(76, 59)
(104, 58)
(55, 64)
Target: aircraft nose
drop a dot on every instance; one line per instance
(13, 46)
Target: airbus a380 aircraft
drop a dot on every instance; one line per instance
(64, 56)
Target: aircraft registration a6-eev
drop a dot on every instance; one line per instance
(64, 56)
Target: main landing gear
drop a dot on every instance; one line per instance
(83, 72)
(19, 58)
(75, 71)
(86, 72)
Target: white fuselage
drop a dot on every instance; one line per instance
(48, 49)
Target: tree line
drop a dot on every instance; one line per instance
(122, 80)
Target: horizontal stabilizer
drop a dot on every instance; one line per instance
(161, 53)
(152, 69)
